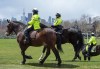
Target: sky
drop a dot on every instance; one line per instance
(69, 9)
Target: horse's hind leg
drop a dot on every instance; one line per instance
(89, 58)
(47, 54)
(42, 55)
(55, 51)
(85, 57)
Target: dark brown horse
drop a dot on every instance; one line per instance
(73, 36)
(45, 37)
(95, 53)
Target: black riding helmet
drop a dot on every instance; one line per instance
(92, 34)
(58, 15)
(35, 11)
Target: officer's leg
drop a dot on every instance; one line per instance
(26, 33)
(59, 39)
(89, 50)
(59, 30)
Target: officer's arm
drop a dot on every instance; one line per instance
(31, 21)
(90, 41)
(58, 22)
(36, 18)
(55, 23)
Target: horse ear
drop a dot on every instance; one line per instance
(8, 21)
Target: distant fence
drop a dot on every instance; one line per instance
(7, 37)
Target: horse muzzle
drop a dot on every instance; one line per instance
(7, 34)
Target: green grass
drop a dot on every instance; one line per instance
(10, 58)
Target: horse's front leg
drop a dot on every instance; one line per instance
(23, 55)
(23, 49)
(85, 58)
(89, 58)
(43, 53)
(75, 50)
(75, 57)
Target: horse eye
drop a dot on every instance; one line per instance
(7, 26)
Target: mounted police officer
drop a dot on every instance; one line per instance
(57, 26)
(57, 23)
(33, 24)
(92, 42)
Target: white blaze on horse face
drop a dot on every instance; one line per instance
(7, 33)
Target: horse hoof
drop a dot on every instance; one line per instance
(89, 60)
(41, 62)
(30, 57)
(22, 63)
(59, 64)
(56, 59)
(73, 60)
(40, 59)
(79, 58)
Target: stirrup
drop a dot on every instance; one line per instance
(58, 33)
(26, 41)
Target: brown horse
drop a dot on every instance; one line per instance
(46, 37)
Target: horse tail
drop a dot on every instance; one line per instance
(81, 40)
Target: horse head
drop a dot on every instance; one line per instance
(14, 26)
(10, 27)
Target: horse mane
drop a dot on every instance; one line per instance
(71, 29)
(18, 22)
(43, 25)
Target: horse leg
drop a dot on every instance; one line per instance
(42, 55)
(28, 57)
(85, 58)
(75, 56)
(55, 51)
(79, 57)
(76, 52)
(89, 58)
(23, 53)
(47, 54)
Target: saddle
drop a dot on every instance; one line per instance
(34, 34)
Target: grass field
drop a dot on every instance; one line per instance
(10, 58)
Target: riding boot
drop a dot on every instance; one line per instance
(59, 39)
(27, 37)
(89, 51)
